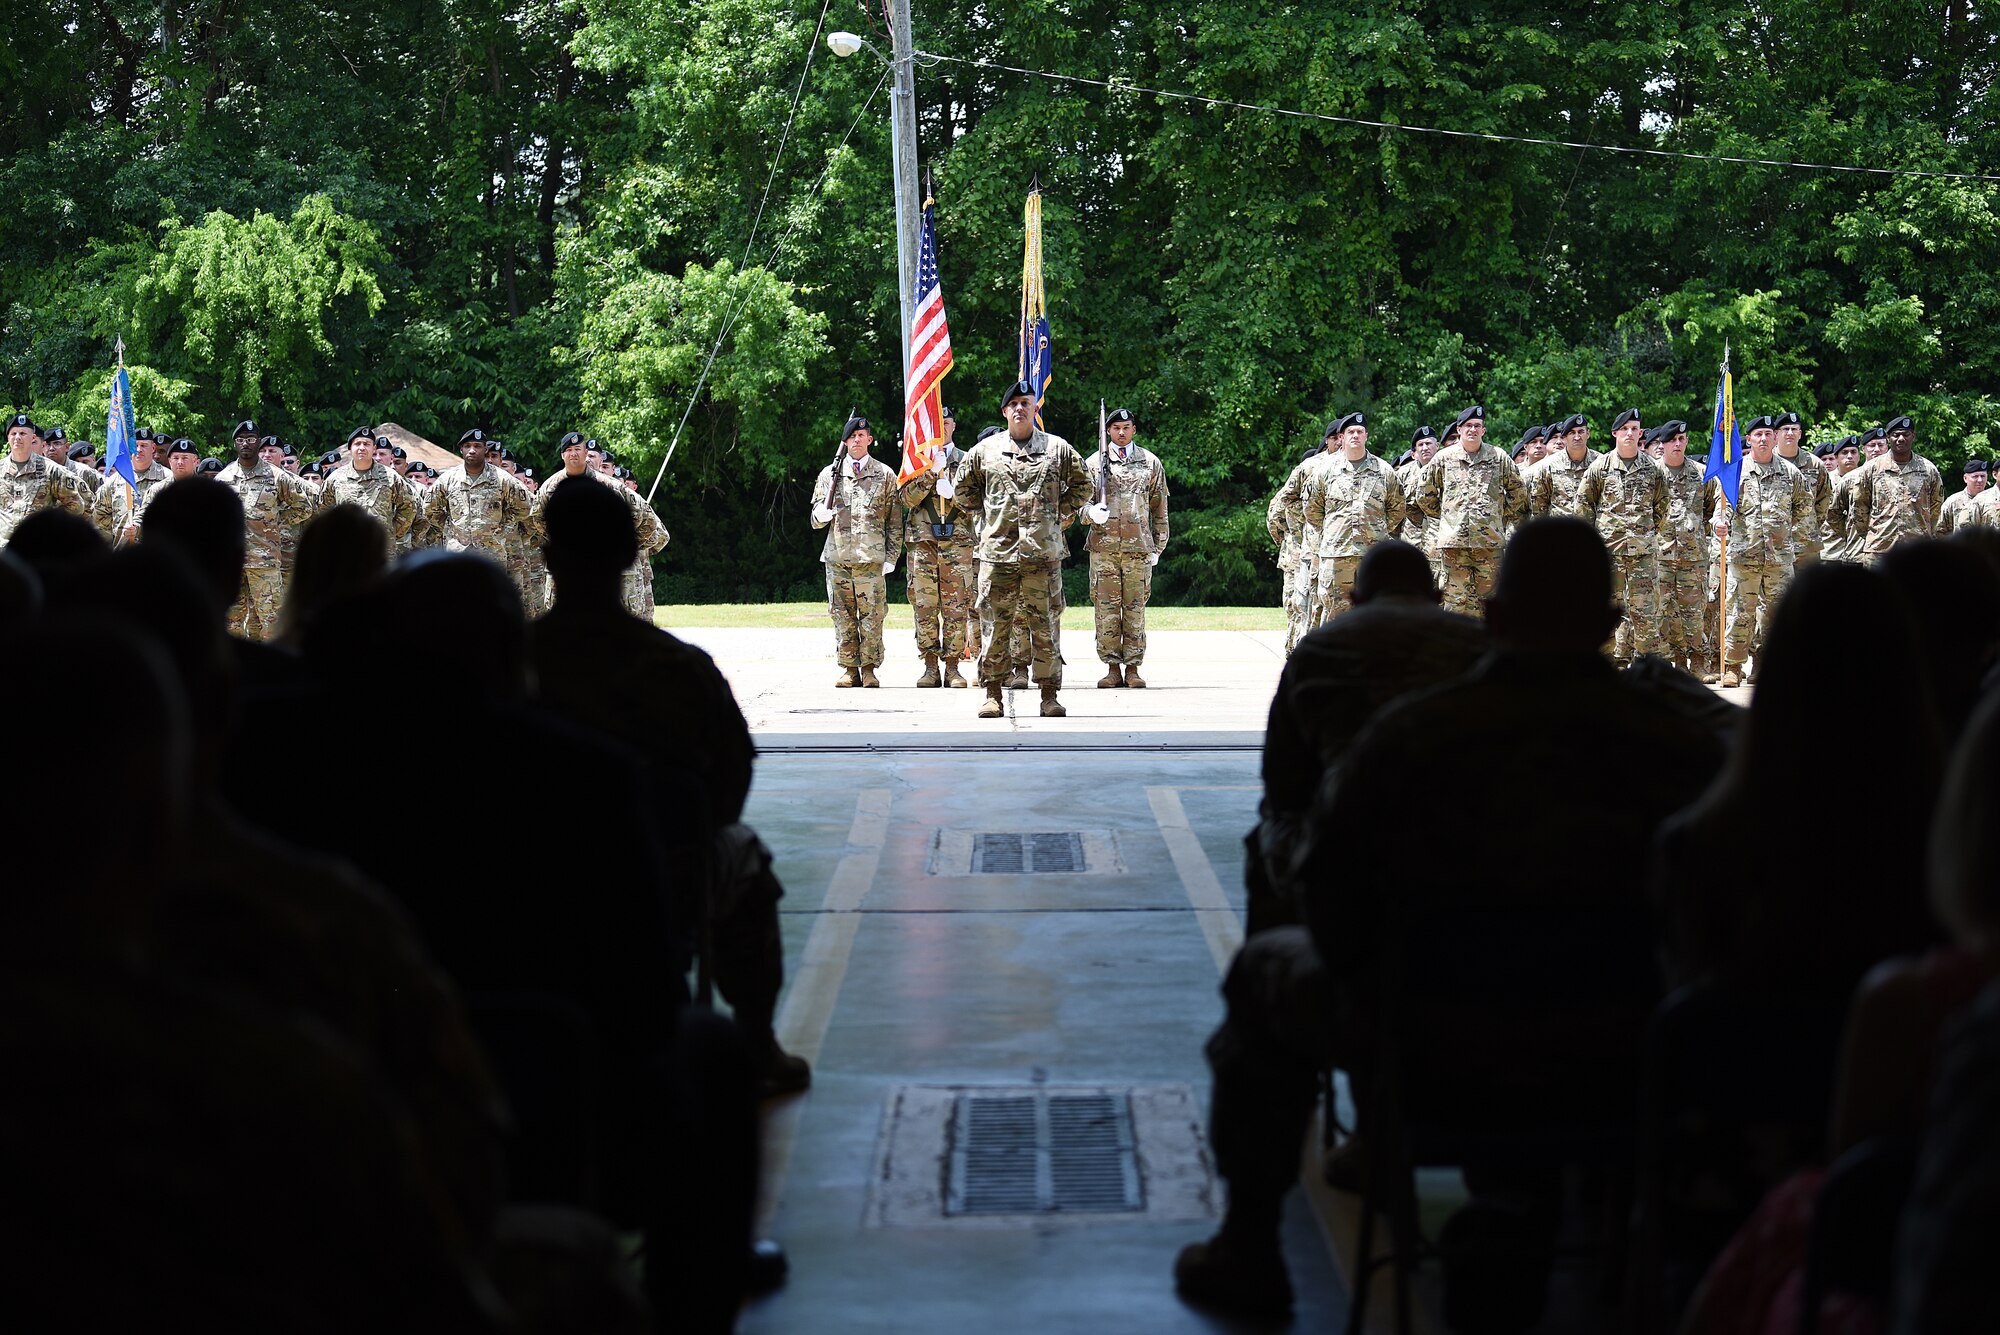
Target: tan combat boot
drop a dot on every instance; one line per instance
(1052, 707)
(868, 676)
(951, 677)
(992, 706)
(1730, 676)
(1132, 677)
(930, 677)
(1017, 680)
(1112, 677)
(848, 677)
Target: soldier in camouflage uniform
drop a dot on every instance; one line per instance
(29, 482)
(1552, 484)
(56, 449)
(1843, 544)
(1892, 499)
(1353, 501)
(1625, 495)
(1818, 484)
(1771, 506)
(365, 481)
(1684, 552)
(1416, 529)
(1961, 508)
(1474, 492)
(477, 506)
(646, 525)
(941, 570)
(1285, 518)
(273, 501)
(855, 499)
(1128, 531)
(653, 539)
(113, 509)
(1022, 485)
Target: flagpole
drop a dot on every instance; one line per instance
(903, 148)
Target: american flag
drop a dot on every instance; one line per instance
(930, 358)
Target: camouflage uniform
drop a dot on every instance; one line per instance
(1960, 510)
(1627, 500)
(1023, 492)
(1985, 508)
(1285, 518)
(1473, 497)
(478, 514)
(1841, 543)
(1122, 550)
(646, 527)
(1684, 565)
(378, 491)
(108, 509)
(37, 485)
(1416, 528)
(1771, 506)
(1552, 484)
(865, 533)
(273, 501)
(1350, 506)
(1887, 503)
(942, 569)
(1810, 540)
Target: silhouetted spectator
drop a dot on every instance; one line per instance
(20, 592)
(1954, 594)
(56, 543)
(341, 552)
(206, 523)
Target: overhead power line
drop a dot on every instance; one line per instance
(1121, 85)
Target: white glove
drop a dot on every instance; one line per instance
(945, 490)
(888, 567)
(1153, 560)
(822, 515)
(1097, 514)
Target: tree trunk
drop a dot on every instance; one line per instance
(503, 188)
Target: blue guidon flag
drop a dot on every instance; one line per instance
(1725, 447)
(118, 424)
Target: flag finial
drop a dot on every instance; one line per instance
(118, 346)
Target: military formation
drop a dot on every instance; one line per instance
(1697, 576)
(489, 503)
(984, 532)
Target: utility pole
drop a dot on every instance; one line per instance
(903, 146)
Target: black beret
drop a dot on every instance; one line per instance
(1898, 424)
(310, 470)
(81, 450)
(210, 466)
(1352, 419)
(1472, 414)
(143, 433)
(1312, 451)
(268, 442)
(1629, 415)
(1520, 450)
(1975, 465)
(590, 443)
(54, 434)
(945, 414)
(1528, 437)
(1871, 435)
(395, 451)
(1021, 390)
(246, 427)
(1574, 421)
(473, 437)
(1405, 457)
(380, 442)
(623, 473)
(1786, 419)
(854, 424)
(22, 419)
(1675, 428)
(1422, 433)
(498, 450)
(1651, 435)
(573, 438)
(361, 433)
(1120, 415)
(1757, 424)
(527, 472)
(989, 431)
(182, 446)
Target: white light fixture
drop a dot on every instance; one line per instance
(843, 44)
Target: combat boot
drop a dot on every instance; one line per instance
(930, 677)
(951, 677)
(1731, 677)
(868, 676)
(1017, 680)
(992, 707)
(1052, 707)
(848, 677)
(1132, 677)
(1112, 677)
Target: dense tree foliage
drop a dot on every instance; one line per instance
(532, 215)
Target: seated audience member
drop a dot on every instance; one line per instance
(56, 542)
(1301, 998)
(602, 668)
(342, 551)
(1395, 641)
(20, 592)
(1747, 900)
(206, 523)
(1955, 596)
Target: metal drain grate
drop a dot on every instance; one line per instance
(1015, 854)
(1042, 1153)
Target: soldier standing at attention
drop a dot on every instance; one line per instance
(1353, 501)
(1020, 484)
(574, 451)
(1962, 508)
(1894, 498)
(113, 510)
(1842, 543)
(1423, 444)
(940, 571)
(1128, 531)
(1625, 495)
(1770, 506)
(1285, 518)
(1552, 484)
(29, 482)
(273, 502)
(1474, 492)
(855, 496)
(476, 506)
(1684, 552)
(1818, 484)
(364, 480)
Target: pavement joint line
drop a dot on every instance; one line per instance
(1219, 923)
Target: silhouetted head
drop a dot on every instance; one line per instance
(590, 532)
(341, 552)
(1955, 597)
(206, 523)
(1964, 891)
(1984, 539)
(456, 620)
(1553, 594)
(56, 540)
(1393, 569)
(20, 592)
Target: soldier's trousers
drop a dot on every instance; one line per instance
(254, 614)
(1334, 591)
(1635, 585)
(1754, 587)
(1028, 636)
(639, 589)
(1011, 593)
(1120, 584)
(1465, 577)
(1683, 605)
(858, 597)
(1295, 602)
(941, 598)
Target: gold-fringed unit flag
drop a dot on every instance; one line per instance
(1037, 361)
